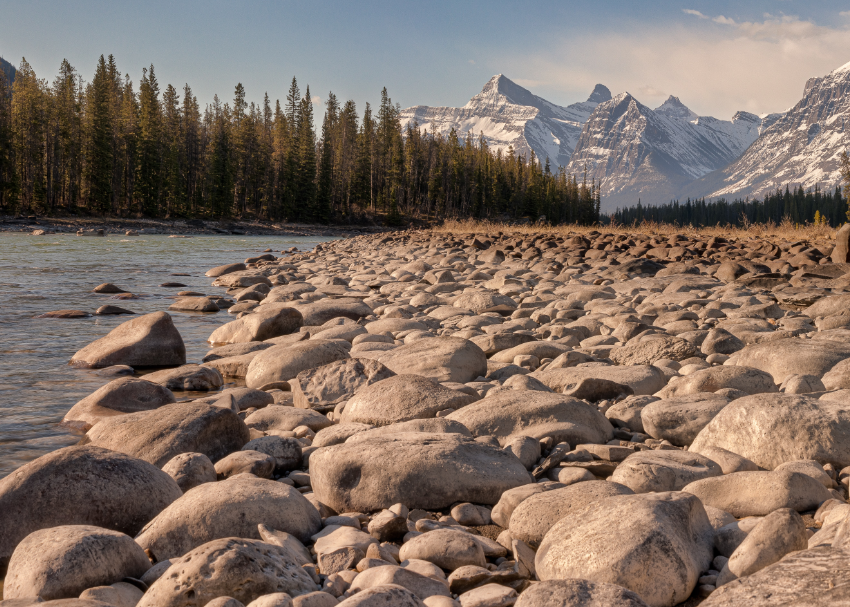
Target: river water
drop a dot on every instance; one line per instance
(43, 273)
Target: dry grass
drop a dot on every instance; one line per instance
(787, 230)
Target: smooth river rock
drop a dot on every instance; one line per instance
(771, 429)
(418, 470)
(244, 569)
(233, 507)
(81, 485)
(402, 398)
(279, 364)
(120, 396)
(656, 545)
(61, 562)
(535, 414)
(443, 359)
(185, 427)
(150, 340)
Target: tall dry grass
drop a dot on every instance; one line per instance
(784, 231)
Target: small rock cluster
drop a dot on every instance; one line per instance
(473, 420)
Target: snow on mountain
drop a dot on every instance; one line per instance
(506, 115)
(798, 147)
(636, 152)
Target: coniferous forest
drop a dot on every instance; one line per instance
(797, 205)
(114, 147)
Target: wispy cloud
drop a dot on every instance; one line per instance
(714, 64)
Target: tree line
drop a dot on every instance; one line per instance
(797, 205)
(111, 147)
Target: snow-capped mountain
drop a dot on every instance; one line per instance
(506, 114)
(799, 147)
(636, 152)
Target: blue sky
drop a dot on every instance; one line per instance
(717, 56)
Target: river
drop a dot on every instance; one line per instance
(43, 273)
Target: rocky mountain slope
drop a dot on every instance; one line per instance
(636, 152)
(509, 115)
(801, 147)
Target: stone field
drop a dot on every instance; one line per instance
(417, 418)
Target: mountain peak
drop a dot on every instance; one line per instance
(674, 108)
(514, 93)
(600, 94)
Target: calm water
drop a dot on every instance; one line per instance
(40, 274)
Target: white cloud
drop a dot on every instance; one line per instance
(844, 14)
(690, 11)
(715, 65)
(472, 62)
(316, 100)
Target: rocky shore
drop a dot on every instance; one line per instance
(100, 226)
(474, 420)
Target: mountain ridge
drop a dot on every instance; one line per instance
(508, 115)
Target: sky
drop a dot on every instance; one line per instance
(717, 56)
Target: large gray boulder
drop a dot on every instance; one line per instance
(656, 545)
(680, 419)
(150, 340)
(61, 562)
(233, 507)
(319, 312)
(402, 398)
(535, 414)
(667, 470)
(760, 493)
(838, 378)
(771, 429)
(81, 485)
(645, 350)
(642, 379)
(532, 519)
(577, 593)
(186, 427)
(485, 301)
(780, 532)
(793, 356)
(244, 569)
(418, 470)
(265, 322)
(828, 306)
(278, 365)
(324, 387)
(120, 396)
(712, 379)
(442, 359)
(818, 577)
(434, 425)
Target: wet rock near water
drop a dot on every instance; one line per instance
(420, 418)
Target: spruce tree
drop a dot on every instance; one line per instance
(306, 172)
(7, 161)
(148, 168)
(99, 150)
(845, 179)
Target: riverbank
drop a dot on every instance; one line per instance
(189, 227)
(457, 420)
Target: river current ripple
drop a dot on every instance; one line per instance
(54, 272)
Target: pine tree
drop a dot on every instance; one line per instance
(306, 172)
(28, 133)
(7, 160)
(99, 148)
(845, 178)
(149, 145)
